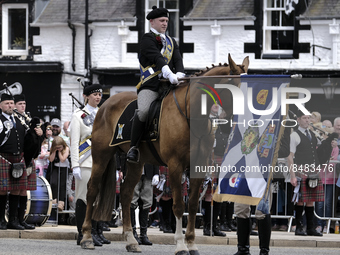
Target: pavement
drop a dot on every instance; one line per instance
(278, 238)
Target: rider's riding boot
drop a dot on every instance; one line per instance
(264, 228)
(216, 212)
(100, 233)
(21, 213)
(133, 224)
(3, 201)
(143, 221)
(136, 134)
(13, 223)
(80, 217)
(243, 234)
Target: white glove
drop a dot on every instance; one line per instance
(155, 180)
(167, 74)
(180, 75)
(77, 173)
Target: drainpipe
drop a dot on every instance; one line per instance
(216, 32)
(72, 27)
(334, 30)
(86, 64)
(123, 32)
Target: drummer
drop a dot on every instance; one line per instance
(13, 176)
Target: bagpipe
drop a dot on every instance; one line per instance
(74, 99)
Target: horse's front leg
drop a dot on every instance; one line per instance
(178, 207)
(195, 185)
(133, 175)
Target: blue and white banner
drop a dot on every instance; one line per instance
(253, 143)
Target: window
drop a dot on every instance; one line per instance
(172, 6)
(278, 28)
(15, 29)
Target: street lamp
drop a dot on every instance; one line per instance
(329, 88)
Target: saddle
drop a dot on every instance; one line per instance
(122, 132)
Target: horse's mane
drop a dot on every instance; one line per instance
(201, 72)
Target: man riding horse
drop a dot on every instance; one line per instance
(159, 56)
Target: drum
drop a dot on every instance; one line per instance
(39, 203)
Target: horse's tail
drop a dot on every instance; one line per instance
(105, 200)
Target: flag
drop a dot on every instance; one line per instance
(253, 142)
(290, 6)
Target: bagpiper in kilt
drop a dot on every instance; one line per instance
(32, 147)
(13, 175)
(302, 162)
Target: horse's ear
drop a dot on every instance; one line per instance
(245, 63)
(233, 67)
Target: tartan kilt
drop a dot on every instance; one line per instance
(7, 182)
(308, 194)
(32, 178)
(118, 186)
(166, 188)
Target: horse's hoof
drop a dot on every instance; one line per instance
(194, 252)
(88, 245)
(133, 248)
(182, 253)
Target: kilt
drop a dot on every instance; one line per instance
(308, 194)
(166, 188)
(32, 178)
(118, 186)
(7, 182)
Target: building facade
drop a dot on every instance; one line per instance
(55, 50)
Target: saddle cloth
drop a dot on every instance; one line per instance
(122, 131)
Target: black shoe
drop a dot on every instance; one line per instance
(225, 228)
(27, 226)
(96, 240)
(112, 224)
(264, 251)
(206, 231)
(133, 155)
(103, 240)
(167, 228)
(217, 232)
(145, 240)
(232, 226)
(14, 225)
(242, 251)
(300, 232)
(254, 233)
(105, 227)
(313, 232)
(3, 225)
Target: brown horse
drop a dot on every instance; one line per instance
(176, 141)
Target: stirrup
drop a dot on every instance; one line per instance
(133, 155)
